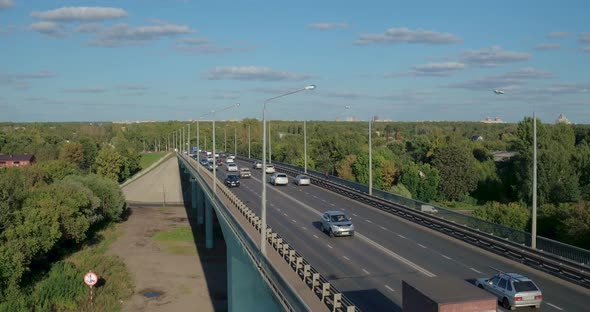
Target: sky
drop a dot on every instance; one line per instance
(398, 60)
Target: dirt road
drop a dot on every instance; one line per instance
(169, 275)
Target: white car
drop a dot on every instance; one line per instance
(302, 179)
(512, 289)
(232, 156)
(257, 165)
(229, 160)
(279, 179)
(270, 169)
(232, 167)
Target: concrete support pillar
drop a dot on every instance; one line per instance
(194, 192)
(200, 205)
(208, 225)
(246, 291)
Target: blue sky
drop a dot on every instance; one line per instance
(400, 60)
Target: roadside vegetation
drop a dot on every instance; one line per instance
(147, 159)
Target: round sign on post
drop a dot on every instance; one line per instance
(90, 279)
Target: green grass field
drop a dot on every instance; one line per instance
(177, 234)
(149, 158)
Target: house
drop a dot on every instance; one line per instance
(477, 138)
(8, 161)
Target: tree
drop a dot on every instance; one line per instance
(456, 166)
(513, 215)
(109, 163)
(72, 152)
(58, 169)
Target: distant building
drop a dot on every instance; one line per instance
(8, 161)
(492, 120)
(562, 119)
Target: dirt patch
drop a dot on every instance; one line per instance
(170, 275)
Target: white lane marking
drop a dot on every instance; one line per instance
(396, 256)
(345, 257)
(474, 270)
(401, 236)
(390, 289)
(304, 228)
(369, 221)
(422, 246)
(315, 196)
(446, 257)
(552, 305)
(329, 246)
(294, 221)
(272, 204)
(354, 214)
(332, 205)
(306, 193)
(383, 228)
(285, 214)
(323, 200)
(366, 239)
(366, 272)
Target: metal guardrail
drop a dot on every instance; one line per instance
(329, 295)
(498, 239)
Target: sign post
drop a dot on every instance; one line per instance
(90, 279)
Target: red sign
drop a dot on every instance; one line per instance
(90, 279)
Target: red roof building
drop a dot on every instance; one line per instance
(8, 161)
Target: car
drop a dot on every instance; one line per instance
(209, 153)
(232, 156)
(512, 289)
(219, 162)
(336, 223)
(302, 179)
(204, 161)
(270, 169)
(210, 166)
(257, 165)
(232, 180)
(232, 167)
(279, 179)
(245, 173)
(229, 160)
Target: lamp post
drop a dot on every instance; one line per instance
(269, 144)
(304, 147)
(188, 139)
(263, 212)
(214, 158)
(534, 216)
(225, 139)
(248, 140)
(235, 141)
(370, 159)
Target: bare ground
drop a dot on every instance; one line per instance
(181, 276)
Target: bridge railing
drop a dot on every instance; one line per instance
(569, 262)
(329, 295)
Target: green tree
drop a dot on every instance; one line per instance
(109, 163)
(457, 170)
(513, 215)
(56, 170)
(72, 152)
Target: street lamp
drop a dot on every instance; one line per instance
(214, 158)
(370, 159)
(263, 213)
(304, 147)
(248, 140)
(235, 141)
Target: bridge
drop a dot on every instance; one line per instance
(306, 270)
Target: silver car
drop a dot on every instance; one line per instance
(302, 179)
(279, 179)
(512, 289)
(257, 165)
(336, 223)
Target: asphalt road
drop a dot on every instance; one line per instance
(369, 268)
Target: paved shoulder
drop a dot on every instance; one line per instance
(160, 185)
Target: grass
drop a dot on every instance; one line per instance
(177, 241)
(177, 234)
(148, 159)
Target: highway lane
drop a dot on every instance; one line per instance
(371, 269)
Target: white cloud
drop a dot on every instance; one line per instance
(405, 35)
(584, 37)
(507, 81)
(81, 14)
(253, 73)
(326, 26)
(132, 87)
(88, 28)
(193, 41)
(87, 90)
(548, 46)
(558, 34)
(122, 34)
(493, 56)
(5, 4)
(586, 49)
(21, 81)
(438, 69)
(48, 28)
(567, 88)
